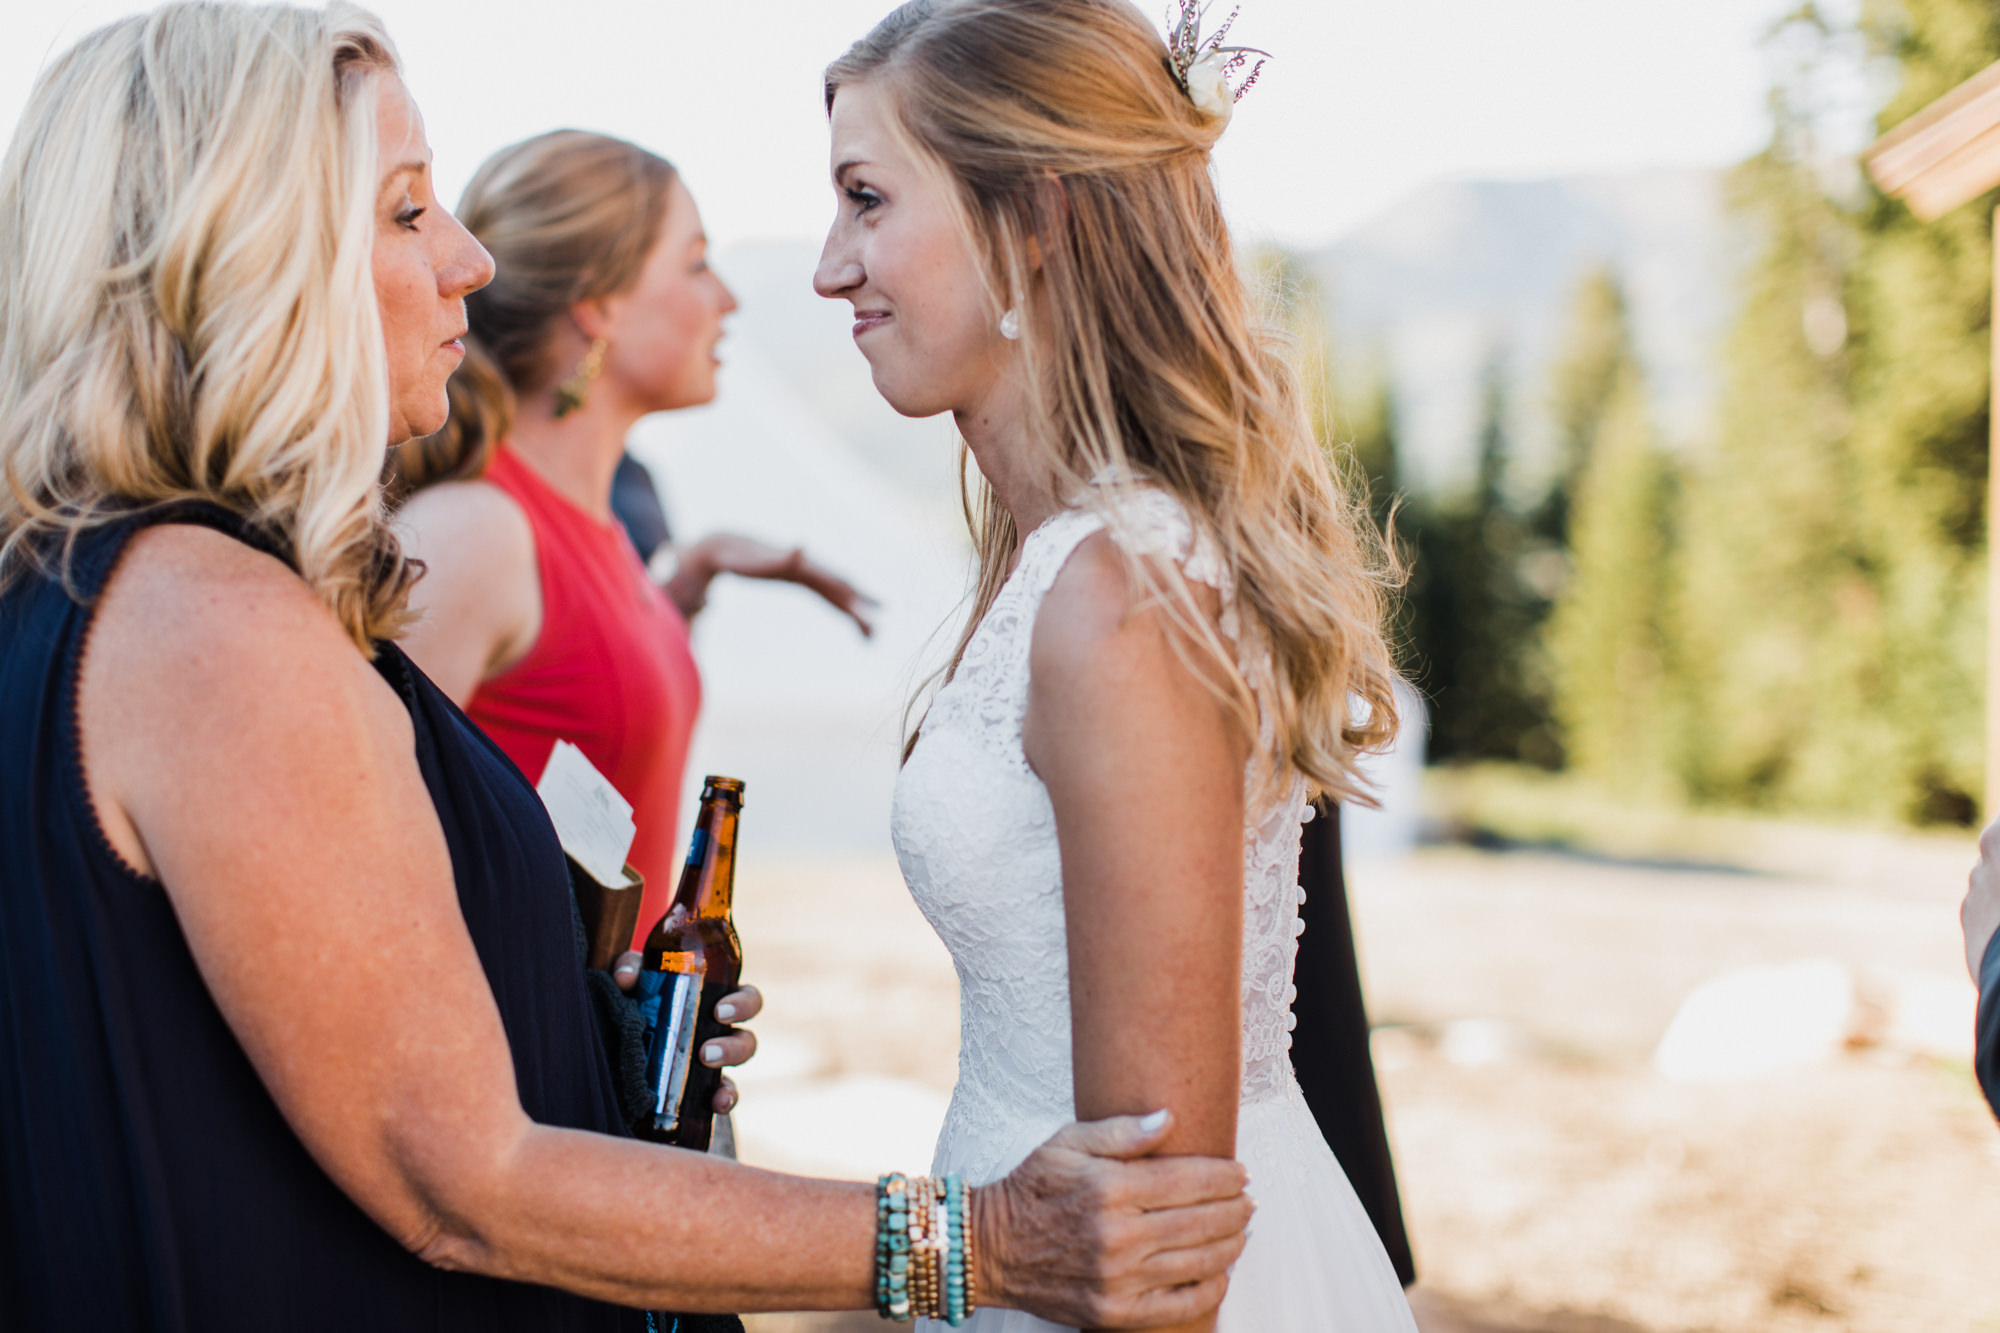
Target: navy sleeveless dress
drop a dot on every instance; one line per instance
(147, 1180)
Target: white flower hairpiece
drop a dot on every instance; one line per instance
(1202, 65)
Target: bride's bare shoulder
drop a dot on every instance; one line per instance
(1107, 589)
(1092, 594)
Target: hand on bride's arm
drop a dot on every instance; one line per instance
(1090, 1232)
(726, 553)
(734, 1048)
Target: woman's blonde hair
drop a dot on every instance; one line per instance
(568, 216)
(1081, 170)
(187, 303)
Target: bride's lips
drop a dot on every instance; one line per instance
(455, 344)
(864, 320)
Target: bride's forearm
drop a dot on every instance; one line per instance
(1144, 771)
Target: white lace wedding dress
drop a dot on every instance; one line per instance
(976, 837)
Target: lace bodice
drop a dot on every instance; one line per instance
(976, 837)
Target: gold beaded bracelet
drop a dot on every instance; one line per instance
(923, 1248)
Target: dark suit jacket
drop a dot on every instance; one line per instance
(636, 501)
(1986, 1052)
(1330, 1045)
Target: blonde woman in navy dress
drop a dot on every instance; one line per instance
(292, 1031)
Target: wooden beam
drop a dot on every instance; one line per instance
(1947, 154)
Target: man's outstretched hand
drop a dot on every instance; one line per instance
(746, 557)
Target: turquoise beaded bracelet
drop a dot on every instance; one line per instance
(892, 1247)
(923, 1248)
(957, 1202)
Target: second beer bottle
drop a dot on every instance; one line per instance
(692, 959)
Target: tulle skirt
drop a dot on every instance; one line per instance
(1313, 1264)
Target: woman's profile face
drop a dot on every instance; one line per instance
(425, 265)
(664, 329)
(896, 251)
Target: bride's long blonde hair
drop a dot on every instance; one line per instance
(187, 306)
(1081, 171)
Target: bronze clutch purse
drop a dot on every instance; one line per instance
(610, 913)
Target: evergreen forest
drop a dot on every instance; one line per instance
(1786, 614)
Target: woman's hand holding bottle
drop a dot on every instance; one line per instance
(736, 1046)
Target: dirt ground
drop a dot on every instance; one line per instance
(1553, 1181)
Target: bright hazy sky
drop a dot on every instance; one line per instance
(1366, 99)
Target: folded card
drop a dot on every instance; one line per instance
(593, 821)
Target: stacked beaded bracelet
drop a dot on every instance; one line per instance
(923, 1248)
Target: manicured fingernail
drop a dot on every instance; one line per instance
(1153, 1122)
(712, 1053)
(725, 1011)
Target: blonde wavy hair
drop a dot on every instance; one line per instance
(187, 304)
(1080, 169)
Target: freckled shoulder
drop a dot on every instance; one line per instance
(180, 582)
(193, 620)
(1085, 606)
(1097, 596)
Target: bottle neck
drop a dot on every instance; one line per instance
(708, 880)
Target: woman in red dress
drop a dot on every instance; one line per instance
(537, 615)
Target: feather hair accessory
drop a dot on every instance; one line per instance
(1202, 65)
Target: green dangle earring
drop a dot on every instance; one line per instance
(570, 394)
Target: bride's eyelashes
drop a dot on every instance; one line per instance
(864, 199)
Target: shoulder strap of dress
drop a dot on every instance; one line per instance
(1049, 548)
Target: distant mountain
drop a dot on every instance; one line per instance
(1459, 272)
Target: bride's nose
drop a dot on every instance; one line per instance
(837, 274)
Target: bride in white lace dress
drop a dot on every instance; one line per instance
(1176, 627)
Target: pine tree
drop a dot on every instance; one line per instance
(1596, 357)
(1468, 623)
(1608, 637)
(1830, 591)
(1767, 544)
(1920, 300)
(1351, 402)
(1474, 616)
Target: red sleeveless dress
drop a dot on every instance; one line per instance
(611, 672)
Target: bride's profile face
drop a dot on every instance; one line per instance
(897, 253)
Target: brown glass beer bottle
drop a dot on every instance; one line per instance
(692, 959)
